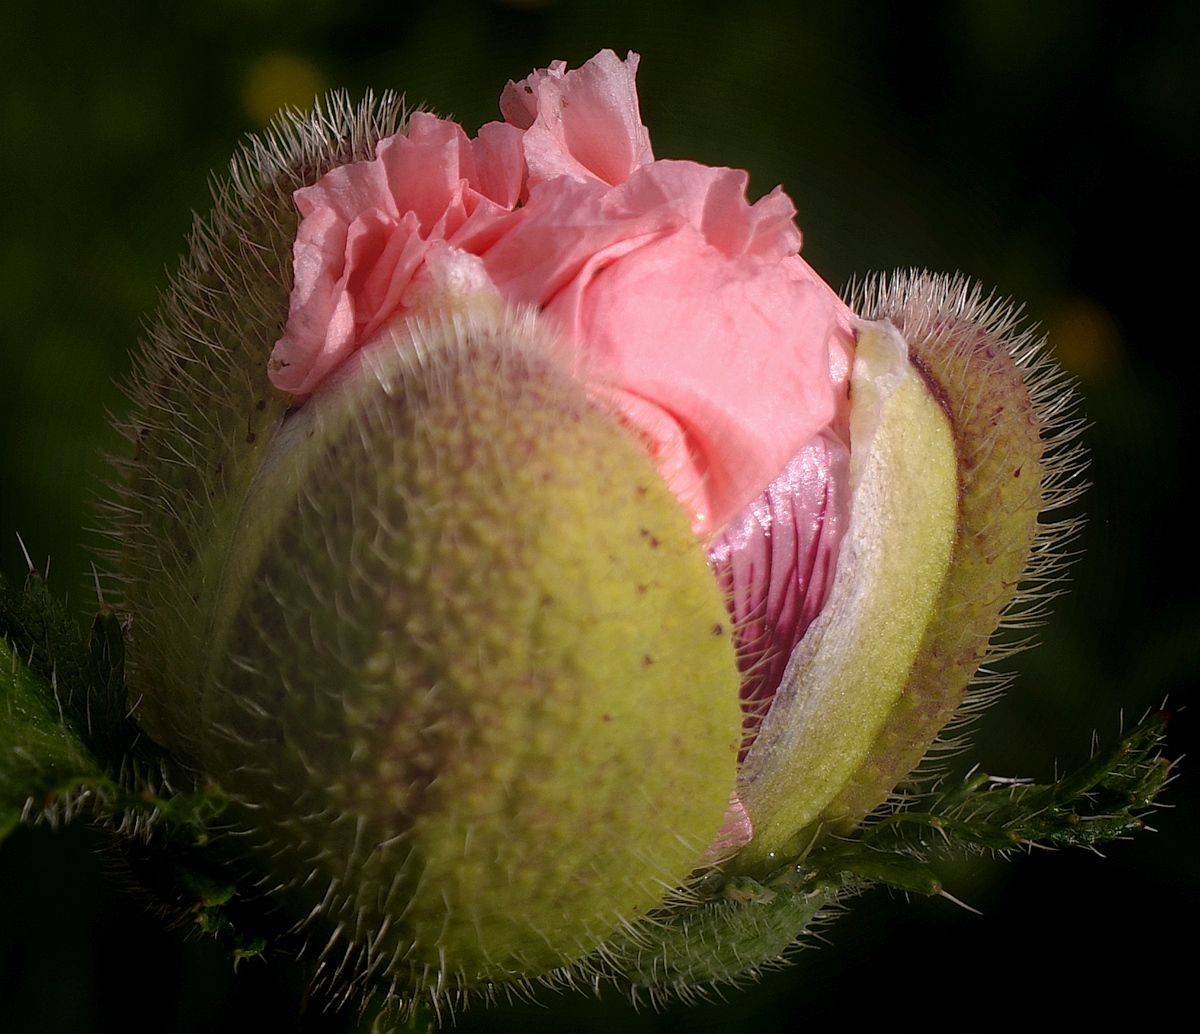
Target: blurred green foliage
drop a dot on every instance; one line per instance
(1048, 149)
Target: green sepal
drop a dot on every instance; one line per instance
(728, 937)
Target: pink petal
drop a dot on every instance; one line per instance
(587, 123)
(714, 200)
(320, 327)
(735, 350)
(379, 286)
(567, 225)
(519, 101)
(365, 233)
(500, 163)
(347, 191)
(736, 831)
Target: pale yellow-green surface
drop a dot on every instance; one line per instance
(853, 663)
(481, 683)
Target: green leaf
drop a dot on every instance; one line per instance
(65, 737)
(901, 872)
(87, 674)
(1102, 800)
(45, 768)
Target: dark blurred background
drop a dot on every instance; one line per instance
(1048, 149)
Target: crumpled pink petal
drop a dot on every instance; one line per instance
(580, 124)
(699, 321)
(695, 310)
(366, 229)
(669, 278)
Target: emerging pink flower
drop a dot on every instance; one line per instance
(692, 309)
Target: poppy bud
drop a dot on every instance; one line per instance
(519, 531)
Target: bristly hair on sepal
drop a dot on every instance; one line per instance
(202, 406)
(1013, 414)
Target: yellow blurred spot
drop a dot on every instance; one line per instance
(1085, 337)
(276, 81)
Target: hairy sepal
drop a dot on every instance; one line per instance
(1017, 459)
(463, 654)
(204, 411)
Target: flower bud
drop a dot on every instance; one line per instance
(520, 532)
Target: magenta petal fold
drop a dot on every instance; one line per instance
(775, 560)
